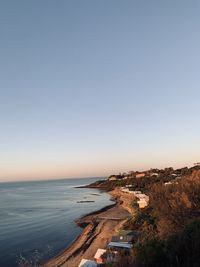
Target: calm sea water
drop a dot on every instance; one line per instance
(37, 218)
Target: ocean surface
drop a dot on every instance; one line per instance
(37, 218)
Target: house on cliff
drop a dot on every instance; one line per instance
(143, 199)
(124, 240)
(99, 256)
(115, 177)
(142, 203)
(140, 175)
(104, 256)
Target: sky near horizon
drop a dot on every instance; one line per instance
(91, 88)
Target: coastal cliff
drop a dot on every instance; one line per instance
(172, 213)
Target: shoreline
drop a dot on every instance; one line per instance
(98, 228)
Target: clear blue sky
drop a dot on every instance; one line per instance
(91, 88)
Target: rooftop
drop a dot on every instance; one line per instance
(99, 253)
(120, 245)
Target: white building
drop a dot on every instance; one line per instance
(129, 185)
(126, 190)
(112, 178)
(142, 203)
(168, 183)
(143, 199)
(154, 174)
(99, 256)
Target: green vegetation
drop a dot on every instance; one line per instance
(181, 249)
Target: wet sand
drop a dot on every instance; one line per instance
(99, 227)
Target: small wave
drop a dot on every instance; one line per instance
(33, 262)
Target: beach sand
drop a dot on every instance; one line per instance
(99, 227)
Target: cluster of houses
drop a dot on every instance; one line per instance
(162, 173)
(124, 177)
(173, 181)
(143, 199)
(124, 241)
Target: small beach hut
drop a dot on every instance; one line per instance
(123, 241)
(142, 203)
(99, 256)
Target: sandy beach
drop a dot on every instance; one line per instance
(98, 229)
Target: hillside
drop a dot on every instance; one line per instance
(170, 224)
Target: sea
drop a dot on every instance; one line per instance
(37, 218)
